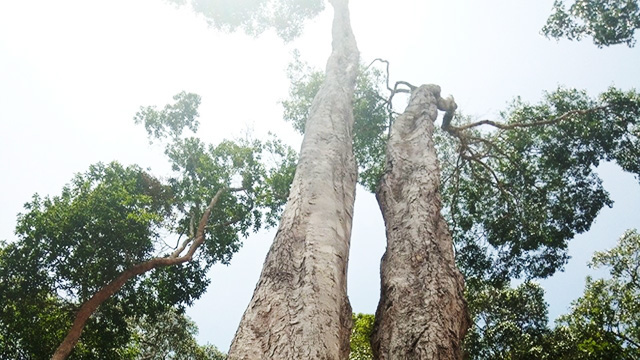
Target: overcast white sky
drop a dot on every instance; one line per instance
(74, 72)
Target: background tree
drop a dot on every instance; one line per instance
(361, 337)
(91, 249)
(508, 323)
(603, 322)
(607, 22)
(170, 335)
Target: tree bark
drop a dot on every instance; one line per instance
(422, 313)
(300, 308)
(90, 306)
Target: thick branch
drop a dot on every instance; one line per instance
(89, 307)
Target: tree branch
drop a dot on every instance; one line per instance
(503, 126)
(625, 338)
(89, 307)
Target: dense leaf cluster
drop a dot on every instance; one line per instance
(360, 340)
(511, 323)
(113, 217)
(604, 322)
(515, 196)
(608, 22)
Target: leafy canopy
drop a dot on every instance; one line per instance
(112, 217)
(515, 191)
(516, 195)
(511, 323)
(508, 323)
(603, 323)
(608, 22)
(286, 17)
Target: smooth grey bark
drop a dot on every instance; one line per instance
(422, 313)
(300, 308)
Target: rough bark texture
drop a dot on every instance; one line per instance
(300, 308)
(422, 313)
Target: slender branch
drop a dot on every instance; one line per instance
(387, 63)
(625, 338)
(226, 223)
(503, 126)
(181, 248)
(486, 167)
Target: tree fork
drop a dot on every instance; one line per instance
(422, 313)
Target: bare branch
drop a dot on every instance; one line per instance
(503, 126)
(387, 63)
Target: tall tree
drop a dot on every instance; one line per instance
(300, 308)
(422, 313)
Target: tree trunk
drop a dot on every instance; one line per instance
(300, 308)
(421, 313)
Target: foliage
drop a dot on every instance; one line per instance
(171, 121)
(604, 322)
(113, 217)
(170, 335)
(516, 194)
(361, 337)
(508, 323)
(608, 22)
(286, 17)
(371, 115)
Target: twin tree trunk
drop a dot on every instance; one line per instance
(300, 308)
(422, 313)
